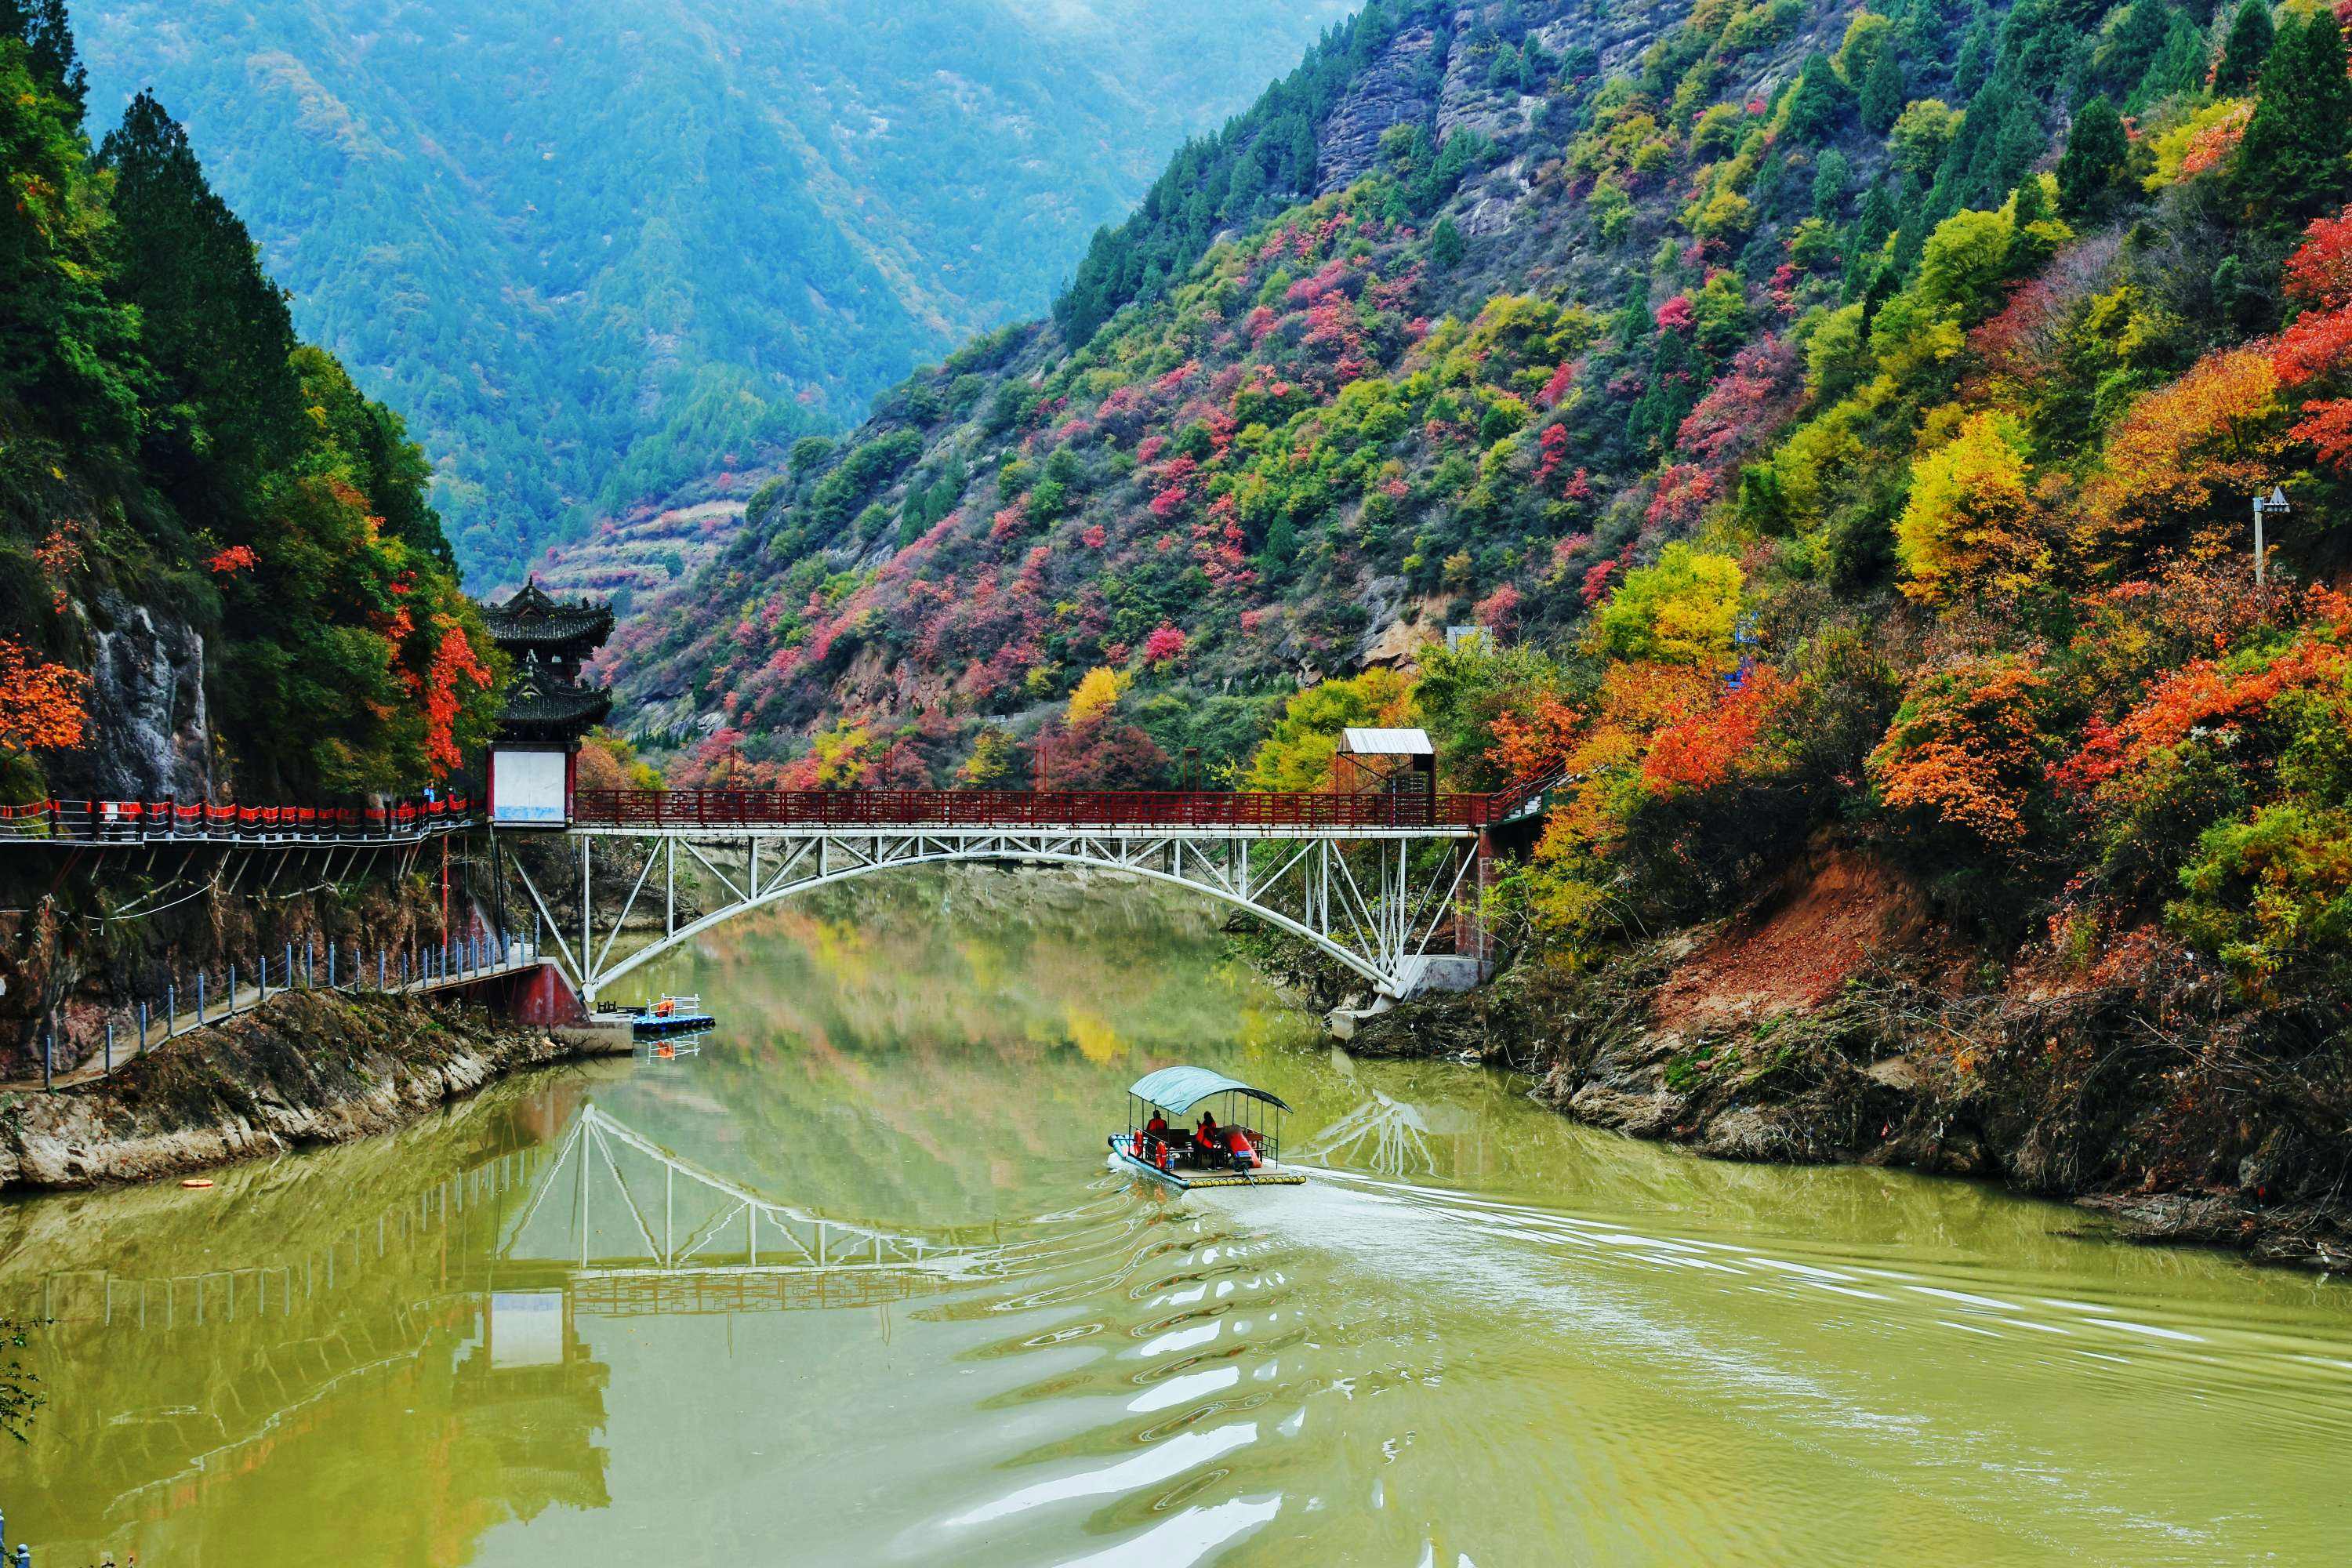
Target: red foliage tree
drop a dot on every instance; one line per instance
(1096, 754)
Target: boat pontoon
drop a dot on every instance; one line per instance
(1173, 1154)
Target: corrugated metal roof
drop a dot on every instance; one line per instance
(1388, 743)
(1177, 1090)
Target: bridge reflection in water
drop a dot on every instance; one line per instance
(632, 1229)
(450, 1325)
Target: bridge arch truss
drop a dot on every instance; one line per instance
(1393, 905)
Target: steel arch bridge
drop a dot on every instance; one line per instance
(1387, 886)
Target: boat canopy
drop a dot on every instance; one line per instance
(1178, 1090)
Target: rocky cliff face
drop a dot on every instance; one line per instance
(1400, 90)
(149, 736)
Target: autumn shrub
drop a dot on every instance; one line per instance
(2176, 471)
(1101, 752)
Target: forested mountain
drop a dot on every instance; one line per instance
(1842, 420)
(219, 574)
(600, 251)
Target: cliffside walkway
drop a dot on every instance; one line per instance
(128, 824)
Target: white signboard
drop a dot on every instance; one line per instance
(526, 1328)
(528, 788)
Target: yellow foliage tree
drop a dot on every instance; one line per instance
(1098, 690)
(1297, 754)
(1681, 611)
(840, 754)
(1972, 527)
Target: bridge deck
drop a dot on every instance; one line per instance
(1251, 814)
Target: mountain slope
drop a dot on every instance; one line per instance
(1843, 424)
(598, 252)
(1818, 455)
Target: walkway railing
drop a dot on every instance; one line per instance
(212, 997)
(170, 822)
(1024, 808)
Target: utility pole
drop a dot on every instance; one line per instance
(2273, 504)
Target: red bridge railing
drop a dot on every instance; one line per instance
(165, 821)
(1023, 808)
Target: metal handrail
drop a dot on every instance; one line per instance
(170, 821)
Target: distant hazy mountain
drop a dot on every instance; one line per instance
(597, 250)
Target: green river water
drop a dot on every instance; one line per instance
(852, 1284)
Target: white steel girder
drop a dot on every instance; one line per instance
(1370, 903)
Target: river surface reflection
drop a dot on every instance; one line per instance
(852, 1284)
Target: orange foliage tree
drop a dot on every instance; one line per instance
(40, 702)
(1720, 741)
(2177, 467)
(2217, 696)
(454, 665)
(1967, 748)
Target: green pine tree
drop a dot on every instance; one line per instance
(2296, 159)
(1818, 102)
(2094, 164)
(48, 42)
(1883, 93)
(1973, 67)
(1446, 247)
(217, 329)
(2179, 67)
(2132, 47)
(2251, 38)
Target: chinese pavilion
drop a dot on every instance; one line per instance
(549, 706)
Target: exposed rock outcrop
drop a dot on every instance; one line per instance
(1401, 89)
(308, 1069)
(149, 733)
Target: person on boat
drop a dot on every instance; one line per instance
(1240, 1150)
(1208, 1141)
(1155, 1136)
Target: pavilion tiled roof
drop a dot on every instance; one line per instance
(542, 705)
(534, 619)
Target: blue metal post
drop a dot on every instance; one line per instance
(107, 1064)
(48, 1051)
(142, 1025)
(171, 1006)
(200, 996)
(289, 966)
(379, 968)
(331, 965)
(231, 990)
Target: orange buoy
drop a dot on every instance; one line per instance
(197, 1182)
(665, 1052)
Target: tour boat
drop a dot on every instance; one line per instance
(670, 1016)
(1175, 1157)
